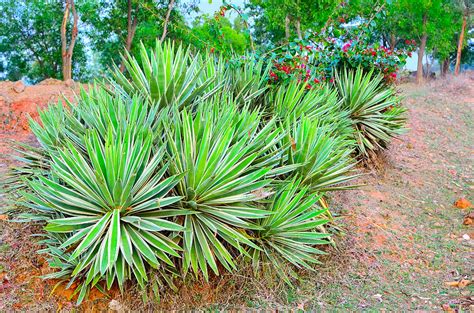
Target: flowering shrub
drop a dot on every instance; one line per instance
(315, 58)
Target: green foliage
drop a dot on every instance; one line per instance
(220, 36)
(30, 43)
(166, 76)
(323, 152)
(164, 171)
(290, 233)
(374, 108)
(108, 20)
(271, 14)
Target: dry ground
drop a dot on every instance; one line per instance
(402, 237)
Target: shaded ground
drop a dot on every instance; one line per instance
(403, 238)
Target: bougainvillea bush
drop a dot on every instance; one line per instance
(315, 58)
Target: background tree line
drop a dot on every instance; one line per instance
(79, 39)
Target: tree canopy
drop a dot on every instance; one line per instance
(30, 39)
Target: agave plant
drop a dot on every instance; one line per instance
(290, 233)
(248, 79)
(374, 108)
(97, 109)
(175, 167)
(293, 101)
(111, 201)
(324, 155)
(221, 184)
(169, 75)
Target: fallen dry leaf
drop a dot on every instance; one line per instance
(462, 203)
(452, 283)
(3, 217)
(460, 284)
(468, 219)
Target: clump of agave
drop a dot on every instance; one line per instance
(183, 166)
(374, 108)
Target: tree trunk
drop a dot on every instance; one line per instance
(167, 19)
(461, 39)
(421, 52)
(393, 41)
(445, 67)
(131, 28)
(287, 28)
(298, 29)
(428, 67)
(67, 50)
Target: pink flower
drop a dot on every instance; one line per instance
(346, 47)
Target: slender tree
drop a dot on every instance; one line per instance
(67, 49)
(466, 9)
(30, 40)
(167, 19)
(132, 22)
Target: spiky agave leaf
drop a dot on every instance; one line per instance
(324, 155)
(374, 108)
(248, 78)
(220, 184)
(113, 199)
(291, 233)
(168, 75)
(293, 101)
(96, 109)
(34, 162)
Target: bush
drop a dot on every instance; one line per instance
(182, 165)
(374, 108)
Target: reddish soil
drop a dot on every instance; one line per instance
(403, 237)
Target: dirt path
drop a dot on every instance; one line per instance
(403, 237)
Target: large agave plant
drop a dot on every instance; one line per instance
(324, 155)
(374, 108)
(221, 184)
(111, 201)
(293, 101)
(168, 75)
(292, 231)
(96, 109)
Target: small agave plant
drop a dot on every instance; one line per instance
(374, 109)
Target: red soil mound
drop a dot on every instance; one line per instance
(18, 102)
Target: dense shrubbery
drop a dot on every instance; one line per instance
(189, 164)
(316, 58)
